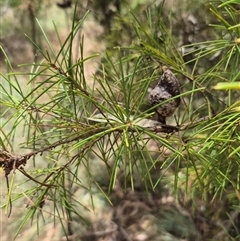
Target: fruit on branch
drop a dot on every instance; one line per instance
(167, 88)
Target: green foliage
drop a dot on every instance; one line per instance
(78, 127)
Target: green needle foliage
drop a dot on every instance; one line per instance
(82, 136)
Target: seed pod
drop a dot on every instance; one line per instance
(167, 88)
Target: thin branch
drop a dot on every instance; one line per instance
(9, 197)
(33, 179)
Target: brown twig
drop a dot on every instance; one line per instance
(33, 179)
